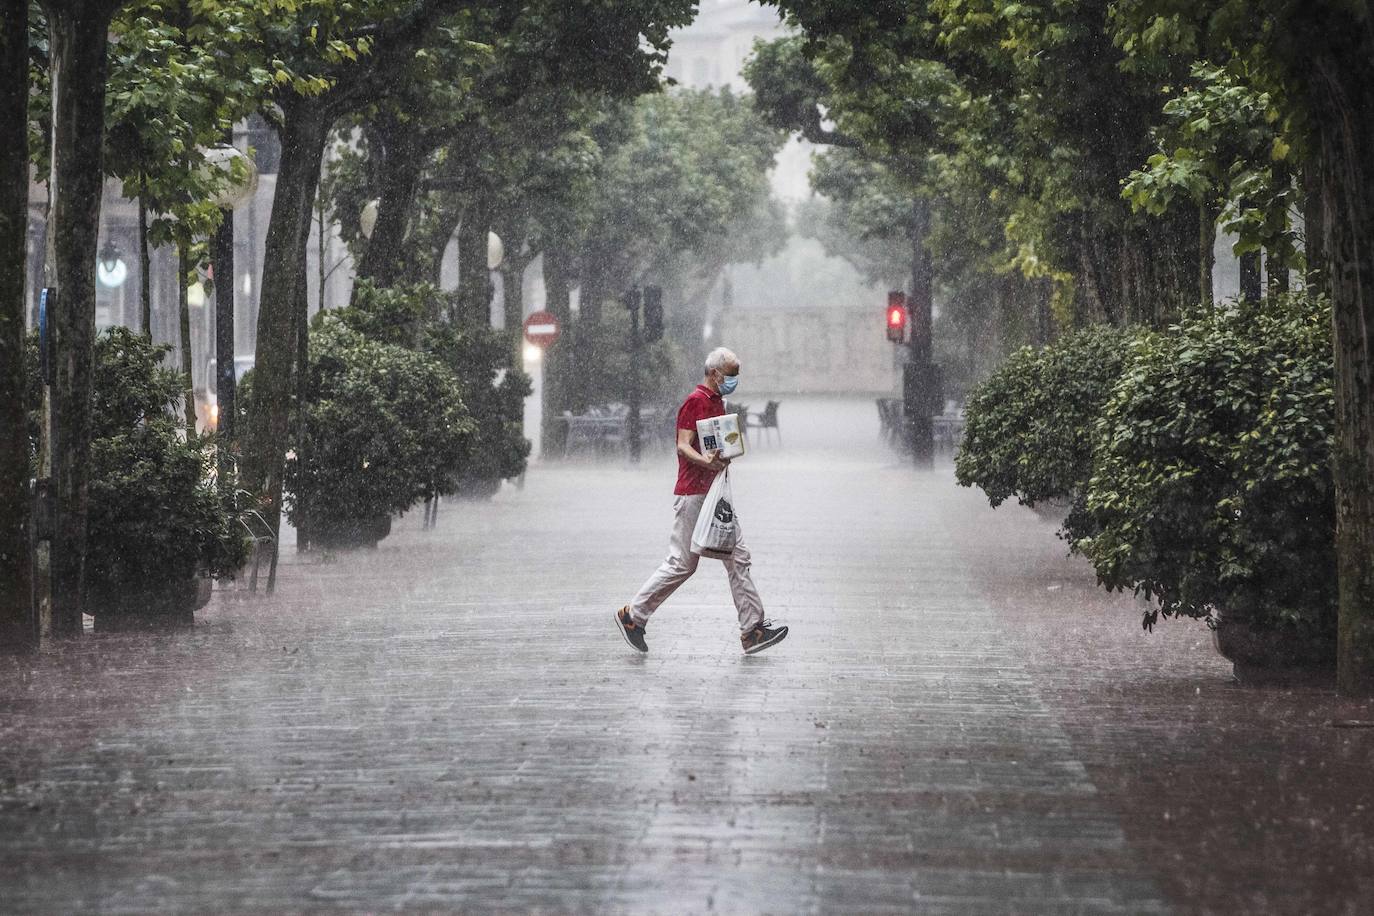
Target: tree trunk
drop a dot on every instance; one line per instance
(513, 266)
(1251, 283)
(448, 224)
(512, 286)
(302, 387)
(384, 257)
(188, 396)
(557, 362)
(77, 36)
(1276, 271)
(17, 630)
(1345, 122)
(145, 272)
(1314, 227)
(1092, 283)
(922, 285)
(1276, 264)
(226, 380)
(1174, 265)
(303, 138)
(1207, 253)
(591, 290)
(510, 226)
(1135, 255)
(321, 247)
(474, 280)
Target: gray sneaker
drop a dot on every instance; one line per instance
(633, 632)
(761, 637)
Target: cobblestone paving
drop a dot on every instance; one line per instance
(959, 723)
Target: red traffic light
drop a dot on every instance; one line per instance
(896, 316)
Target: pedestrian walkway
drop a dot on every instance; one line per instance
(960, 722)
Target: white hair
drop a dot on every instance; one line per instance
(719, 358)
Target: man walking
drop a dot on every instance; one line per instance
(695, 471)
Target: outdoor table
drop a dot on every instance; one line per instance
(599, 430)
(594, 430)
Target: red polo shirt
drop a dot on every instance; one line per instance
(699, 405)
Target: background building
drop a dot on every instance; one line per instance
(805, 321)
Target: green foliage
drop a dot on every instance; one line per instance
(1224, 146)
(498, 112)
(180, 75)
(179, 79)
(1017, 121)
(393, 316)
(864, 215)
(789, 92)
(1212, 485)
(678, 186)
(384, 425)
(479, 360)
(495, 392)
(156, 519)
(1029, 424)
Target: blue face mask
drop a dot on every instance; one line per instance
(728, 384)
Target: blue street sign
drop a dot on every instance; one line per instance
(47, 301)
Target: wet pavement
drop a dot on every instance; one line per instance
(960, 722)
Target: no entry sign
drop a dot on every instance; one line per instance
(541, 329)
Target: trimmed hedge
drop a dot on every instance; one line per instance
(1029, 425)
(383, 424)
(1212, 487)
(1197, 461)
(156, 519)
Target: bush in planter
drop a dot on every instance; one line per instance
(1029, 428)
(1212, 487)
(383, 425)
(494, 391)
(155, 520)
(482, 360)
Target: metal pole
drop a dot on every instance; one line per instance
(225, 378)
(920, 373)
(636, 352)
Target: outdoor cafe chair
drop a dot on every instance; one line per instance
(767, 420)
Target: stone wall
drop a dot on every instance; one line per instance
(814, 351)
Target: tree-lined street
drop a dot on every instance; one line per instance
(341, 349)
(960, 722)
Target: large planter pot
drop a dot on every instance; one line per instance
(346, 534)
(167, 606)
(1266, 656)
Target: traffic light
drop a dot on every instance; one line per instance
(631, 299)
(896, 316)
(653, 313)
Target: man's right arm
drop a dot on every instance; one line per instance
(711, 460)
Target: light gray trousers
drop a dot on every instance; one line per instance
(681, 563)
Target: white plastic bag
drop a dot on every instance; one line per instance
(717, 529)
